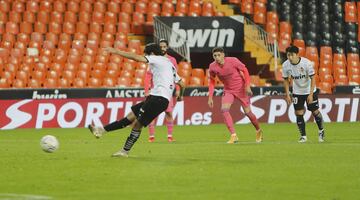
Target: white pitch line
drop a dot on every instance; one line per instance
(12, 196)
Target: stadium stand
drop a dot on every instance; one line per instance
(57, 43)
(326, 32)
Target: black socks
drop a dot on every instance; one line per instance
(118, 124)
(301, 124)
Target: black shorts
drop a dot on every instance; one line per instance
(299, 101)
(146, 111)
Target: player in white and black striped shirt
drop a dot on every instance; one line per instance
(301, 71)
(143, 113)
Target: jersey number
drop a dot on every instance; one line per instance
(295, 100)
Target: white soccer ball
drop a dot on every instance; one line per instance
(49, 143)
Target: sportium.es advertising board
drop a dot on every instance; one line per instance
(68, 108)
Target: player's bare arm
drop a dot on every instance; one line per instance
(287, 93)
(181, 84)
(129, 55)
(211, 91)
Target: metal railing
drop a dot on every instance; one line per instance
(261, 38)
(163, 31)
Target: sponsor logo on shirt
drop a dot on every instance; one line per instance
(299, 77)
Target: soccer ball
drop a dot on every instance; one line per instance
(49, 143)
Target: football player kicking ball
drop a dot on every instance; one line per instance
(164, 45)
(301, 71)
(164, 77)
(235, 77)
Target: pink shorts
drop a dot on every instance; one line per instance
(171, 105)
(228, 98)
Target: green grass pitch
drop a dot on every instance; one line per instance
(199, 165)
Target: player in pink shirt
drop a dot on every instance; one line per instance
(164, 45)
(235, 77)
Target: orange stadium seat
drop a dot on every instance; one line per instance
(247, 7)
(324, 71)
(55, 28)
(141, 7)
(56, 17)
(68, 28)
(123, 82)
(354, 79)
(110, 18)
(73, 6)
(98, 17)
(4, 83)
(9, 37)
(184, 73)
(28, 17)
(259, 7)
(33, 83)
(94, 82)
(167, 9)
(12, 27)
(15, 17)
(272, 17)
(59, 6)
(50, 83)
(325, 88)
(18, 6)
(327, 78)
(127, 7)
(112, 74)
(86, 6)
(140, 73)
(63, 83)
(80, 37)
(38, 75)
(208, 7)
(113, 7)
(18, 83)
(68, 74)
(154, 7)
(196, 81)
(40, 27)
(137, 23)
(353, 60)
(95, 27)
(43, 17)
(181, 7)
(4, 6)
(3, 17)
(22, 75)
(84, 17)
(99, 7)
(312, 54)
(184, 65)
(79, 83)
(124, 17)
(198, 72)
(341, 80)
(9, 76)
(83, 74)
(137, 81)
(350, 12)
(108, 82)
(70, 17)
(195, 7)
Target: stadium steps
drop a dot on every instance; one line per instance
(223, 8)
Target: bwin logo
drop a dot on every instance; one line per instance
(199, 37)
